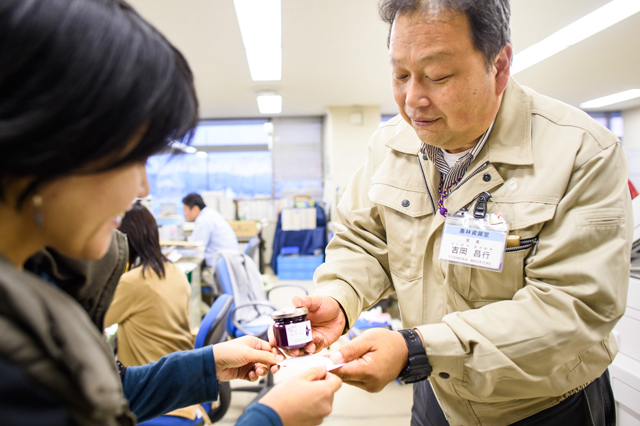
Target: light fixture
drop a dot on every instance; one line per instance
(611, 99)
(270, 104)
(190, 150)
(201, 154)
(585, 27)
(261, 29)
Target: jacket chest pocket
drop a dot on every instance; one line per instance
(479, 286)
(403, 212)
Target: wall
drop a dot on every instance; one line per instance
(347, 132)
(631, 143)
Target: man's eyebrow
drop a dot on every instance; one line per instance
(426, 58)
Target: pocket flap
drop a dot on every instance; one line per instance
(407, 201)
(524, 214)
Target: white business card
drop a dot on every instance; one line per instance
(309, 361)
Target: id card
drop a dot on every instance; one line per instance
(478, 243)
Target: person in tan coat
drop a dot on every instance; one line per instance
(511, 330)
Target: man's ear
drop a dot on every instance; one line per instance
(502, 66)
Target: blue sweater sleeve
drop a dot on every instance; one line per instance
(177, 380)
(259, 415)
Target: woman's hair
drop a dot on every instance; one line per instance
(80, 78)
(141, 230)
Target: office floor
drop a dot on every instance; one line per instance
(351, 406)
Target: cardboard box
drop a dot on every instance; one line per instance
(244, 228)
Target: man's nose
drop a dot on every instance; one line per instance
(417, 94)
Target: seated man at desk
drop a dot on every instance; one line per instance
(210, 227)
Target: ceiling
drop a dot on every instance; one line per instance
(335, 54)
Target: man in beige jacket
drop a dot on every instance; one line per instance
(529, 345)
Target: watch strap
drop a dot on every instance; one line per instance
(414, 343)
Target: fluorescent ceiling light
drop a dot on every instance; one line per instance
(190, 150)
(611, 99)
(261, 29)
(201, 154)
(585, 27)
(270, 104)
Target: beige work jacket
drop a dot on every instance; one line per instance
(515, 342)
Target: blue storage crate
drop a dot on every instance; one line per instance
(298, 267)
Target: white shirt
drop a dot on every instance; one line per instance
(214, 232)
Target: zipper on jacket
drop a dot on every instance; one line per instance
(433, 206)
(525, 244)
(475, 172)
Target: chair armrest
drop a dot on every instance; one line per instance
(244, 305)
(288, 285)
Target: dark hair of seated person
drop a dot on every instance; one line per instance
(193, 199)
(75, 87)
(140, 227)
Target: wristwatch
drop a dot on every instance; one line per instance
(418, 367)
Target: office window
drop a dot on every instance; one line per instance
(233, 156)
(297, 156)
(612, 120)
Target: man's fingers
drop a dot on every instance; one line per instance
(300, 302)
(313, 303)
(312, 374)
(350, 372)
(353, 350)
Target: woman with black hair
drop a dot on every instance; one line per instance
(88, 91)
(151, 302)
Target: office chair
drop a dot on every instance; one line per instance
(212, 330)
(252, 247)
(238, 275)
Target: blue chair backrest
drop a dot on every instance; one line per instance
(213, 318)
(251, 246)
(222, 273)
(223, 276)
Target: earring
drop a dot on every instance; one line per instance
(37, 216)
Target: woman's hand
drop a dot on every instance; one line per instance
(247, 358)
(305, 399)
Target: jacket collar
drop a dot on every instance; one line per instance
(510, 138)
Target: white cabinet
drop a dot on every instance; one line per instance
(625, 370)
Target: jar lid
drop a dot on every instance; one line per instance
(289, 313)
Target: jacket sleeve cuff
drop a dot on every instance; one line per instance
(446, 353)
(259, 414)
(346, 297)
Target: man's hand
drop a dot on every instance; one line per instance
(305, 399)
(327, 322)
(373, 359)
(246, 358)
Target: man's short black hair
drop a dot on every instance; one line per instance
(489, 19)
(193, 199)
(80, 78)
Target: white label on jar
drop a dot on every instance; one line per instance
(298, 333)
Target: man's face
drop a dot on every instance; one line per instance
(441, 83)
(191, 213)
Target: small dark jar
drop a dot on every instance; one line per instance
(291, 328)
